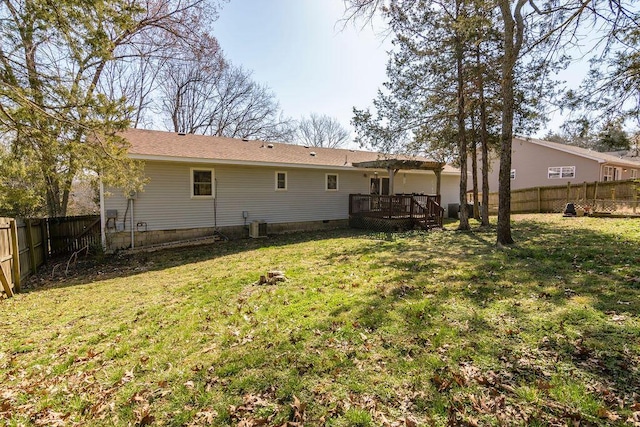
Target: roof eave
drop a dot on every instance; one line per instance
(542, 144)
(179, 159)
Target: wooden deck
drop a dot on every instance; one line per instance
(397, 212)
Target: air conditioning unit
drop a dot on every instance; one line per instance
(258, 229)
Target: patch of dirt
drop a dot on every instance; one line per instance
(86, 269)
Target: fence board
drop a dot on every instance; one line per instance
(24, 254)
(17, 277)
(6, 285)
(70, 234)
(6, 257)
(22, 249)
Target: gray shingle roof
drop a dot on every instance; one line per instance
(583, 152)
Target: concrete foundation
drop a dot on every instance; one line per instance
(122, 239)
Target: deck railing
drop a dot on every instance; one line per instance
(419, 207)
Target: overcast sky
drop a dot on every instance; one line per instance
(303, 53)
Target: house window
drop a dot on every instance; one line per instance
(634, 173)
(611, 173)
(281, 181)
(556, 172)
(201, 183)
(332, 182)
(513, 174)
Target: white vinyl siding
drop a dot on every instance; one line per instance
(281, 181)
(166, 201)
(557, 172)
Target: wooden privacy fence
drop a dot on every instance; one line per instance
(26, 244)
(22, 251)
(612, 197)
(71, 234)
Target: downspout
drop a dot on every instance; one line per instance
(103, 220)
(132, 230)
(215, 205)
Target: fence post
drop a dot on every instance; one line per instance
(16, 254)
(32, 251)
(45, 240)
(568, 191)
(595, 196)
(539, 200)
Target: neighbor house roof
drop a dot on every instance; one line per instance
(170, 146)
(631, 155)
(582, 152)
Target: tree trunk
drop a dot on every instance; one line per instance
(474, 176)
(485, 181)
(484, 143)
(462, 138)
(513, 36)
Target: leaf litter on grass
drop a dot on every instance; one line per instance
(365, 331)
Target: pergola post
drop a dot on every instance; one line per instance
(438, 173)
(392, 174)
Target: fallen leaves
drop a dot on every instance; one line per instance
(258, 411)
(605, 413)
(143, 415)
(204, 417)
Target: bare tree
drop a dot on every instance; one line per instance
(60, 108)
(221, 99)
(321, 131)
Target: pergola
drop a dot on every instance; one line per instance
(394, 165)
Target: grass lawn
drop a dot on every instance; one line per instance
(369, 329)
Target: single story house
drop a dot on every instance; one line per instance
(538, 163)
(201, 184)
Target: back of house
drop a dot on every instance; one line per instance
(201, 184)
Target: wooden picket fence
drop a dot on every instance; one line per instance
(612, 197)
(27, 244)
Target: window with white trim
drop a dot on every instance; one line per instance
(634, 173)
(281, 181)
(331, 182)
(557, 172)
(202, 183)
(513, 174)
(611, 173)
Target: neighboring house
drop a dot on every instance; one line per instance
(198, 184)
(538, 163)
